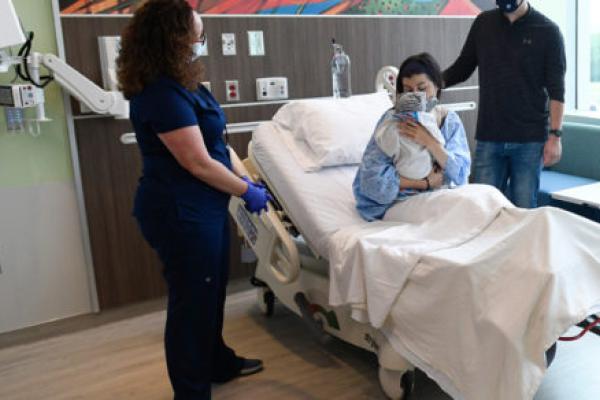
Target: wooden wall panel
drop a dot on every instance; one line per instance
(298, 48)
(126, 269)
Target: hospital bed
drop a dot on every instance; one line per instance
(292, 260)
(291, 243)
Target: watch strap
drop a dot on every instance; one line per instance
(556, 132)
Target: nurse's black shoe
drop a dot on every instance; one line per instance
(249, 366)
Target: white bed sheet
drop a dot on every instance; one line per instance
(476, 315)
(318, 203)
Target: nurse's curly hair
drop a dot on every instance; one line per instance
(158, 41)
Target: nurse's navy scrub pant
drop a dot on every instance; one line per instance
(195, 254)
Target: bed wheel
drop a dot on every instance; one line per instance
(266, 301)
(397, 385)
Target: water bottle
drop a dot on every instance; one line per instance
(340, 72)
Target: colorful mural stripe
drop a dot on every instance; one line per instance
(295, 7)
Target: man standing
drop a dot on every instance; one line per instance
(521, 58)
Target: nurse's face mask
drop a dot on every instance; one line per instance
(198, 47)
(508, 6)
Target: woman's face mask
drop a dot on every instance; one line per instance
(431, 103)
(420, 83)
(415, 101)
(508, 6)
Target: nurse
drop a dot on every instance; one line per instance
(182, 197)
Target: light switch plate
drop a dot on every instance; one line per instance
(232, 90)
(256, 43)
(228, 41)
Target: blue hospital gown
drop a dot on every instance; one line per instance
(377, 183)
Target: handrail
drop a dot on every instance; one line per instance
(285, 259)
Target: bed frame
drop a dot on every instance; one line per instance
(287, 269)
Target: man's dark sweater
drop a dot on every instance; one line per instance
(521, 65)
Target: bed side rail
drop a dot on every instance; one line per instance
(266, 232)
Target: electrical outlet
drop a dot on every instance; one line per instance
(232, 90)
(206, 84)
(228, 41)
(256, 43)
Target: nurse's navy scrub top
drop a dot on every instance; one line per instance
(163, 106)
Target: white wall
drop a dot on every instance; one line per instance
(43, 274)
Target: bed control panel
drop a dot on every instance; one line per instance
(246, 224)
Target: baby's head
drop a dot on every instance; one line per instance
(411, 102)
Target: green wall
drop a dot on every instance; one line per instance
(26, 160)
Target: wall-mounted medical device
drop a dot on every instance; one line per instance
(27, 65)
(271, 88)
(20, 96)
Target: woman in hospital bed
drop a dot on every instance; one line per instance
(469, 288)
(380, 182)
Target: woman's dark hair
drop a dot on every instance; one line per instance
(422, 63)
(158, 41)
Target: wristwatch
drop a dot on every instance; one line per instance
(556, 132)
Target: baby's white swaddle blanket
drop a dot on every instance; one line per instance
(412, 160)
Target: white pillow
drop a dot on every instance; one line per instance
(329, 132)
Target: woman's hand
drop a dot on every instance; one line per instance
(435, 178)
(419, 134)
(416, 132)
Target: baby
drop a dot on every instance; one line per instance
(412, 160)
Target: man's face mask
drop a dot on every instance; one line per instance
(508, 6)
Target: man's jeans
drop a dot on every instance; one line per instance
(514, 168)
